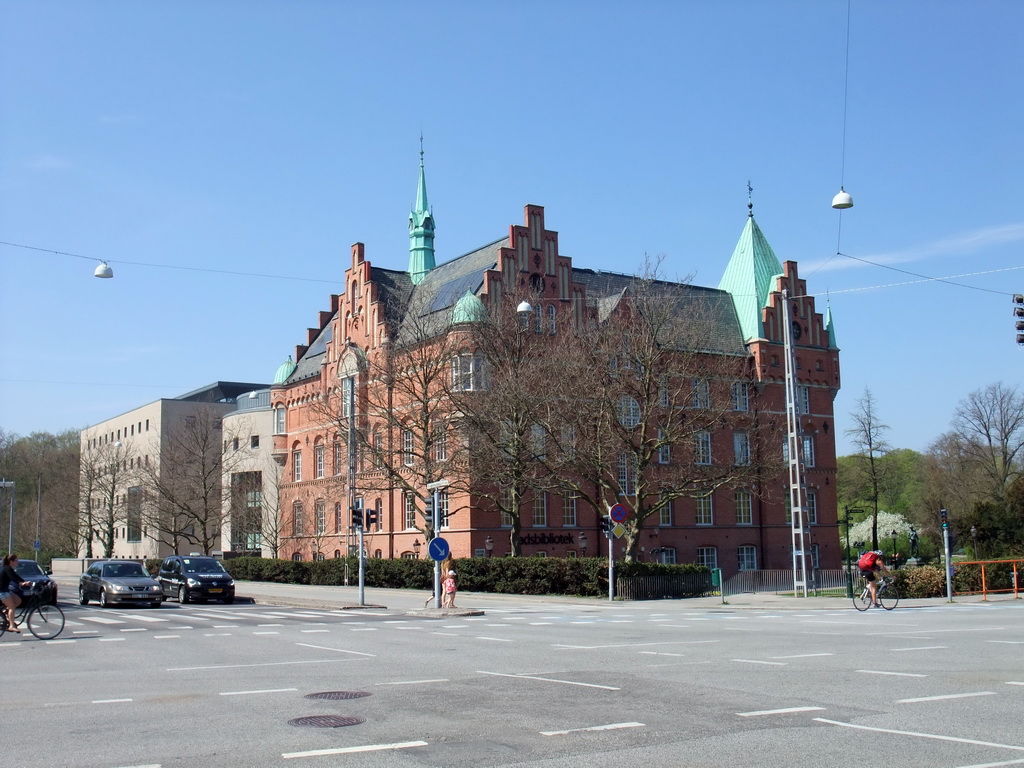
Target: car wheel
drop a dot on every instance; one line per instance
(104, 603)
(83, 599)
(182, 594)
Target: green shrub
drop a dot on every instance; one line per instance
(925, 581)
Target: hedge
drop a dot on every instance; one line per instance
(585, 576)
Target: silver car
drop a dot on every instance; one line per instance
(119, 581)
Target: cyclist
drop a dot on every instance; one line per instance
(10, 589)
(871, 563)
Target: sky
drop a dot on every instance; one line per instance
(223, 156)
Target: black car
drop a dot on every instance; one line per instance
(194, 577)
(29, 570)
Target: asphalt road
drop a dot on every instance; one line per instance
(528, 684)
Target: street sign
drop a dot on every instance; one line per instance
(36, 545)
(618, 530)
(618, 513)
(438, 549)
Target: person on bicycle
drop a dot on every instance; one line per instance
(10, 589)
(871, 563)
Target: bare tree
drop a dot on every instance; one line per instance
(108, 471)
(868, 437)
(989, 429)
(659, 413)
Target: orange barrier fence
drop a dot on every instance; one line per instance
(989, 577)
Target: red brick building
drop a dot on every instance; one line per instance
(730, 529)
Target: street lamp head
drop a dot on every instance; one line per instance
(103, 270)
(416, 547)
(524, 308)
(488, 543)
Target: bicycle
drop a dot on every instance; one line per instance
(888, 597)
(43, 620)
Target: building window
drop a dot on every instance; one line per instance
(569, 442)
(705, 514)
(347, 397)
(808, 446)
(254, 442)
(664, 447)
(378, 506)
(702, 448)
(321, 518)
(803, 399)
(538, 441)
(552, 319)
(569, 510)
(468, 373)
(318, 456)
(701, 393)
(663, 397)
(665, 513)
(442, 508)
(812, 507)
(629, 412)
(408, 456)
(297, 522)
(744, 508)
(815, 557)
(540, 510)
(741, 448)
(441, 444)
(708, 557)
(297, 557)
(410, 511)
(337, 457)
(746, 557)
(337, 517)
(297, 465)
(134, 513)
(740, 396)
(279, 421)
(506, 519)
(627, 474)
(667, 555)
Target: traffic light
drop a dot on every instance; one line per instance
(428, 508)
(1018, 312)
(357, 517)
(944, 515)
(606, 524)
(371, 518)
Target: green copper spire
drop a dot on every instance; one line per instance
(286, 369)
(830, 327)
(749, 278)
(421, 231)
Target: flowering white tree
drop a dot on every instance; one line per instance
(887, 523)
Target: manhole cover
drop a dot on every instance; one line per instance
(327, 721)
(337, 695)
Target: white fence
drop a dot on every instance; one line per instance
(820, 582)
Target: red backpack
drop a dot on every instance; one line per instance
(867, 561)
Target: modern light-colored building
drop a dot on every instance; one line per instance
(134, 499)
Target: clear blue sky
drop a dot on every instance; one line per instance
(267, 136)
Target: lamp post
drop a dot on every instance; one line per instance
(489, 545)
(10, 535)
(583, 543)
(974, 540)
(416, 548)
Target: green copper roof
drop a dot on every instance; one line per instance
(468, 309)
(749, 278)
(284, 371)
(830, 327)
(421, 232)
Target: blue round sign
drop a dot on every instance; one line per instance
(618, 513)
(438, 549)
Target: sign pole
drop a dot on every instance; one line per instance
(611, 566)
(362, 566)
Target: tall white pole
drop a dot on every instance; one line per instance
(437, 563)
(9, 484)
(794, 454)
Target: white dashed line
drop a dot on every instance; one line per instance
(265, 690)
(944, 698)
(894, 674)
(786, 711)
(352, 750)
(611, 727)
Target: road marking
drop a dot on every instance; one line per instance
(936, 736)
(921, 648)
(58, 642)
(351, 750)
(313, 631)
(935, 631)
(550, 680)
(1007, 642)
(660, 653)
(265, 664)
(267, 633)
(140, 617)
(111, 639)
(786, 711)
(895, 674)
(611, 727)
(994, 765)
(191, 617)
(181, 627)
(417, 682)
(563, 646)
(948, 696)
(336, 650)
(111, 701)
(541, 623)
(363, 629)
(148, 765)
(216, 634)
(270, 625)
(758, 661)
(136, 629)
(495, 639)
(101, 619)
(225, 626)
(85, 632)
(801, 655)
(165, 637)
(265, 690)
(1013, 682)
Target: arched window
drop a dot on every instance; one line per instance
(297, 557)
(552, 319)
